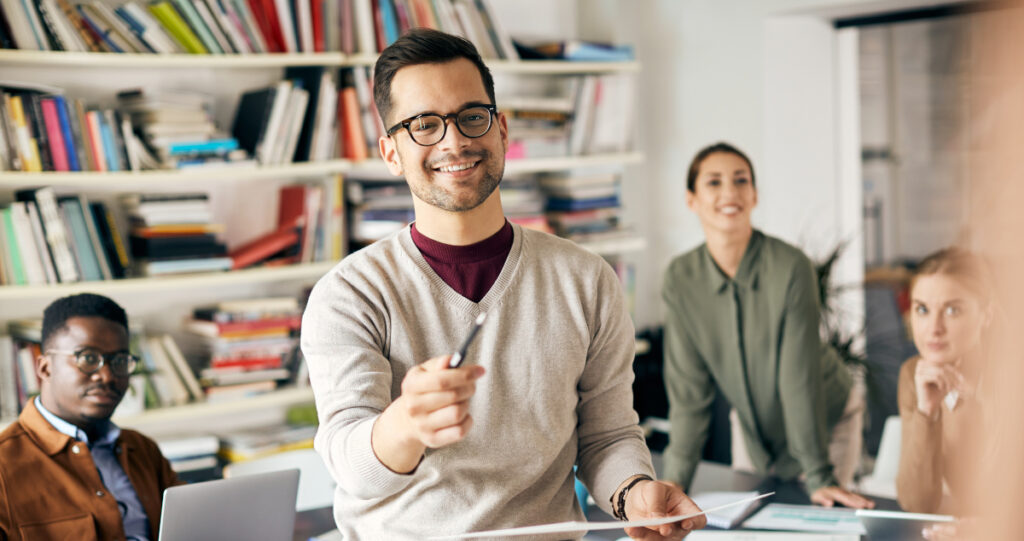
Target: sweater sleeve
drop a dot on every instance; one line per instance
(690, 393)
(801, 379)
(919, 481)
(611, 444)
(343, 342)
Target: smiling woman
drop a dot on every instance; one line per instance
(743, 315)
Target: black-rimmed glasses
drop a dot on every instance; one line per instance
(89, 361)
(430, 128)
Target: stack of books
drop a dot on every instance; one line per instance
(539, 126)
(249, 444)
(177, 130)
(192, 457)
(243, 27)
(523, 203)
(247, 347)
(378, 209)
(174, 233)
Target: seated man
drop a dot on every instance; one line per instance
(66, 471)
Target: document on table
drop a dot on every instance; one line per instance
(705, 535)
(805, 518)
(578, 526)
(725, 519)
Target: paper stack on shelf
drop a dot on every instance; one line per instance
(246, 347)
(177, 130)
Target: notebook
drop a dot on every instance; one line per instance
(730, 517)
(248, 508)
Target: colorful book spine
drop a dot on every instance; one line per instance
(177, 27)
(66, 128)
(55, 135)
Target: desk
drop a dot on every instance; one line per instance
(710, 476)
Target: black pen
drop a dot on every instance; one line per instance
(460, 355)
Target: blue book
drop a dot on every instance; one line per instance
(109, 146)
(65, 128)
(80, 237)
(135, 26)
(557, 203)
(213, 146)
(389, 19)
(172, 266)
(96, 27)
(583, 51)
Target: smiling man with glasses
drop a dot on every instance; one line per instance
(420, 449)
(66, 471)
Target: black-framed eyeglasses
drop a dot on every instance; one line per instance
(89, 361)
(429, 129)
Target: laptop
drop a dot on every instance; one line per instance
(248, 508)
(895, 525)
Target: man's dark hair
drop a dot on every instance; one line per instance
(691, 175)
(61, 310)
(422, 46)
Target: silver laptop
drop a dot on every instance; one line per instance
(897, 526)
(248, 508)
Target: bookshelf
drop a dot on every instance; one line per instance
(96, 76)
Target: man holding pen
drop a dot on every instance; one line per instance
(421, 449)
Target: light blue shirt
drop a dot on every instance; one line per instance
(104, 455)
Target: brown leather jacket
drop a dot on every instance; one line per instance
(50, 489)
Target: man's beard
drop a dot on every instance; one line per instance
(436, 196)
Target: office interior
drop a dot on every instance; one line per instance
(856, 114)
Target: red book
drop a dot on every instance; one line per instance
(251, 363)
(378, 25)
(257, 250)
(235, 329)
(95, 140)
(317, 14)
(265, 14)
(350, 122)
(291, 206)
(56, 136)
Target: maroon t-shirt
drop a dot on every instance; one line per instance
(470, 270)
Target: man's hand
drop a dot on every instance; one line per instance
(653, 499)
(432, 411)
(830, 496)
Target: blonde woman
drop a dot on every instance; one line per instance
(939, 389)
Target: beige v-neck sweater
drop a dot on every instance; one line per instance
(558, 346)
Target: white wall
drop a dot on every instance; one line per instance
(759, 73)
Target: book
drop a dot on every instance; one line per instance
(81, 237)
(165, 13)
(182, 368)
(263, 247)
(177, 392)
(55, 232)
(181, 266)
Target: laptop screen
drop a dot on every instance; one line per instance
(248, 508)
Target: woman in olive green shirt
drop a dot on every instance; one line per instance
(743, 315)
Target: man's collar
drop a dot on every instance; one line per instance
(108, 431)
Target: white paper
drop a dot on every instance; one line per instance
(725, 519)
(805, 518)
(704, 535)
(578, 526)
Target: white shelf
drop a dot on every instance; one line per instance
(134, 179)
(373, 168)
(11, 57)
(183, 281)
(616, 246)
(199, 410)
(14, 57)
(376, 170)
